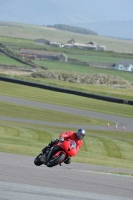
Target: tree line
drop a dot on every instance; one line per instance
(73, 29)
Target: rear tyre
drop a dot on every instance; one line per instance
(53, 162)
(37, 161)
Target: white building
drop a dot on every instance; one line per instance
(101, 48)
(125, 65)
(81, 46)
(68, 46)
(55, 44)
(85, 46)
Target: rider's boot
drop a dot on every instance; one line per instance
(67, 161)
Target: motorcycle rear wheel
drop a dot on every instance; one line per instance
(53, 162)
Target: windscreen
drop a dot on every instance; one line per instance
(72, 144)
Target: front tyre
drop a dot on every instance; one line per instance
(37, 161)
(55, 161)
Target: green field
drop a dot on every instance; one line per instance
(95, 58)
(4, 60)
(16, 43)
(31, 32)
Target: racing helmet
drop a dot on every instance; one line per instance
(80, 133)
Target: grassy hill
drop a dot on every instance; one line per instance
(31, 32)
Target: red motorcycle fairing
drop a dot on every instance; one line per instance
(55, 149)
(68, 146)
(58, 153)
(55, 156)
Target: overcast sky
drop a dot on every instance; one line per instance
(45, 12)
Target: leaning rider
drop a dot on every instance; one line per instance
(76, 136)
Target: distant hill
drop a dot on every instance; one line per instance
(74, 29)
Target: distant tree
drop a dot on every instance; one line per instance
(74, 29)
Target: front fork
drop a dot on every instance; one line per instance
(43, 157)
(51, 152)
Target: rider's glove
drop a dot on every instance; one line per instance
(61, 139)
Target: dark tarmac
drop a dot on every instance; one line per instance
(20, 179)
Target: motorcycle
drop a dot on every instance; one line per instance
(57, 154)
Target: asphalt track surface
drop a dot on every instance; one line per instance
(20, 179)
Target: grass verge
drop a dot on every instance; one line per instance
(27, 112)
(27, 139)
(46, 96)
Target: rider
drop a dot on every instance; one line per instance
(76, 136)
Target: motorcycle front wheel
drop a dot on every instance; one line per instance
(55, 161)
(37, 161)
